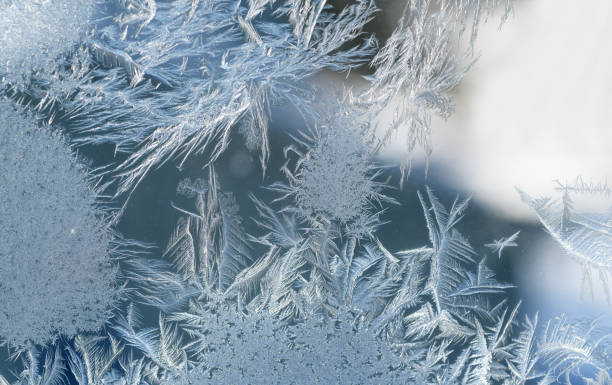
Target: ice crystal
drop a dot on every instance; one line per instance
(55, 272)
(500, 244)
(208, 246)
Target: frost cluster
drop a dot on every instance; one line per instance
(335, 178)
(35, 33)
(257, 350)
(55, 273)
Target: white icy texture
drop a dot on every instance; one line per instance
(55, 274)
(34, 33)
(258, 351)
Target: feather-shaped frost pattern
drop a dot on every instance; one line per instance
(208, 246)
(196, 69)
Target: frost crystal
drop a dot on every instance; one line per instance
(208, 246)
(500, 244)
(55, 274)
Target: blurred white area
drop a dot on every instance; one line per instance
(537, 106)
(551, 283)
